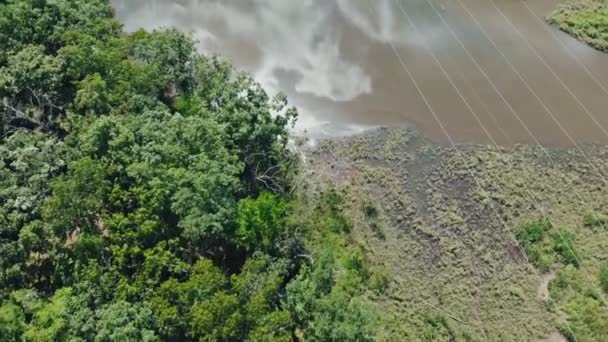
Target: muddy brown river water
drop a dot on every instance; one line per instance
(480, 71)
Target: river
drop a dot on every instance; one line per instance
(473, 71)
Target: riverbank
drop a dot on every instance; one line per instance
(586, 20)
(447, 229)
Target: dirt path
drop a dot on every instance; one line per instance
(543, 287)
(556, 337)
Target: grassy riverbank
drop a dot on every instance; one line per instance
(587, 20)
(446, 230)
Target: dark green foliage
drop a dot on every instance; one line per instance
(564, 246)
(546, 245)
(28, 161)
(533, 232)
(604, 277)
(144, 194)
(373, 218)
(532, 238)
(172, 54)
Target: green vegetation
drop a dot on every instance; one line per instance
(454, 270)
(593, 219)
(146, 194)
(580, 300)
(573, 289)
(373, 218)
(586, 20)
(544, 245)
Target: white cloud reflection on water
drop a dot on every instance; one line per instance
(333, 60)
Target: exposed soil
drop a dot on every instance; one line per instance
(556, 337)
(543, 288)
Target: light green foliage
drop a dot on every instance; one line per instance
(564, 245)
(245, 310)
(586, 20)
(92, 95)
(49, 318)
(217, 318)
(322, 304)
(580, 299)
(584, 306)
(593, 219)
(331, 215)
(12, 322)
(172, 302)
(323, 297)
(260, 221)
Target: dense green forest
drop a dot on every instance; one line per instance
(147, 193)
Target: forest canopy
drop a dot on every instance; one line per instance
(146, 193)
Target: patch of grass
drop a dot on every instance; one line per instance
(450, 268)
(370, 209)
(563, 245)
(372, 216)
(593, 219)
(378, 280)
(586, 20)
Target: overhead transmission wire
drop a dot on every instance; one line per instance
(580, 198)
(431, 109)
(556, 76)
(452, 32)
(576, 98)
(465, 101)
(486, 108)
(568, 50)
(455, 36)
(443, 129)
